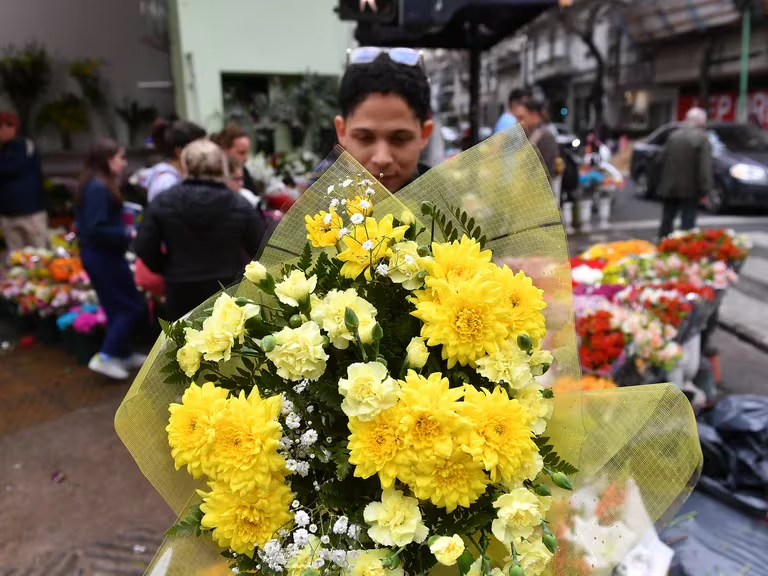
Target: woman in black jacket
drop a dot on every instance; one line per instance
(209, 232)
(103, 242)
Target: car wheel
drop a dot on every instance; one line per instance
(642, 185)
(716, 199)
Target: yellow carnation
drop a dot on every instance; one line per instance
(448, 482)
(418, 353)
(299, 353)
(189, 358)
(360, 205)
(369, 564)
(227, 316)
(329, 315)
(255, 272)
(323, 228)
(519, 512)
(508, 364)
(533, 556)
(376, 446)
(368, 244)
(244, 451)
(539, 408)
(429, 415)
(405, 264)
(476, 568)
(447, 549)
(467, 323)
(217, 342)
(192, 425)
(396, 520)
(296, 288)
(500, 438)
(242, 522)
(523, 303)
(304, 558)
(367, 390)
(539, 360)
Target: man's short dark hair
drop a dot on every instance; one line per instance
(383, 76)
(518, 95)
(535, 105)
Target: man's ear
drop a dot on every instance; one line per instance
(426, 132)
(341, 129)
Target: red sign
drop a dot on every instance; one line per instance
(722, 107)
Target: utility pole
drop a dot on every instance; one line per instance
(746, 30)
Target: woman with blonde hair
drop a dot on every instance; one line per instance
(209, 231)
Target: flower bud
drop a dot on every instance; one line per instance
(562, 481)
(268, 343)
(351, 320)
(377, 332)
(427, 208)
(524, 342)
(407, 218)
(516, 570)
(295, 321)
(418, 354)
(424, 251)
(550, 542)
(542, 490)
(390, 562)
(255, 272)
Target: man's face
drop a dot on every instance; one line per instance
(384, 134)
(241, 149)
(517, 109)
(7, 132)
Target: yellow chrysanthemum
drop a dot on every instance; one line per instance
(523, 302)
(377, 446)
(360, 205)
(242, 522)
(430, 415)
(468, 324)
(192, 425)
(458, 260)
(501, 438)
(303, 559)
(539, 409)
(508, 364)
(244, 451)
(449, 482)
(367, 244)
(323, 228)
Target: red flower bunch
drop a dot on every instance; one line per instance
(610, 504)
(600, 343)
(669, 306)
(685, 288)
(707, 244)
(595, 264)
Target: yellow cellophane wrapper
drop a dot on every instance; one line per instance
(642, 440)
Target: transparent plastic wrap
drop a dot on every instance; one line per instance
(636, 448)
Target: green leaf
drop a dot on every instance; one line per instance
(189, 526)
(482, 241)
(470, 225)
(167, 328)
(552, 461)
(462, 217)
(305, 262)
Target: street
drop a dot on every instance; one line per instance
(73, 492)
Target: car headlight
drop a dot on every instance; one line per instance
(576, 143)
(749, 173)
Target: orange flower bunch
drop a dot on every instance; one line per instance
(588, 382)
(614, 252)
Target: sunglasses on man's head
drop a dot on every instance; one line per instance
(367, 54)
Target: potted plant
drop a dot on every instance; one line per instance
(25, 75)
(67, 114)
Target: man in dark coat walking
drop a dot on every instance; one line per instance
(686, 172)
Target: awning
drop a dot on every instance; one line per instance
(651, 20)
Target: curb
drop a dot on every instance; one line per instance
(743, 335)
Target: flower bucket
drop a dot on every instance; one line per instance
(86, 346)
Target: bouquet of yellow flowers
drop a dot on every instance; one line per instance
(369, 401)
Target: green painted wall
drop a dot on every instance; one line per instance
(212, 37)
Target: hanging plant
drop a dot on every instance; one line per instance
(25, 75)
(68, 114)
(87, 74)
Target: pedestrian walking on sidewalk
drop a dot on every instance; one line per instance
(686, 172)
(103, 242)
(22, 199)
(210, 232)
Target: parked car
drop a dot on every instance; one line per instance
(739, 163)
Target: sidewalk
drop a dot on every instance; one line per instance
(74, 501)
